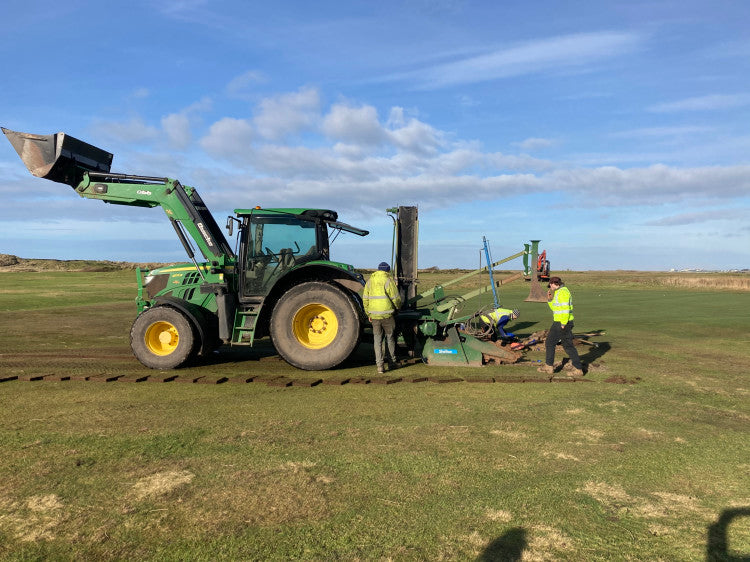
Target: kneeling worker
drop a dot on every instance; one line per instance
(499, 318)
(381, 300)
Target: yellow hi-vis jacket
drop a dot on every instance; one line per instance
(381, 298)
(495, 316)
(562, 306)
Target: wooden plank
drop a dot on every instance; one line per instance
(336, 381)
(27, 378)
(442, 380)
(161, 378)
(266, 378)
(385, 380)
(188, 379)
(479, 379)
(104, 378)
(212, 379)
(241, 380)
(132, 378)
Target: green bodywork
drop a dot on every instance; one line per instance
(228, 296)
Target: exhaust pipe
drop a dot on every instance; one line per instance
(58, 157)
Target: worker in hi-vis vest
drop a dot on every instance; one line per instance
(498, 319)
(560, 302)
(381, 299)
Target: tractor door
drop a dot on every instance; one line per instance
(273, 245)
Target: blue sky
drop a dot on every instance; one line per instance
(618, 133)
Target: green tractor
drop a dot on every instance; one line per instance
(280, 281)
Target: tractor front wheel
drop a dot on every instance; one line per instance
(315, 326)
(162, 338)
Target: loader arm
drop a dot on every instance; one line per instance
(65, 159)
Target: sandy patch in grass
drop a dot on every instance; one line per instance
(591, 435)
(161, 483)
(546, 543)
(648, 433)
(498, 515)
(43, 504)
(575, 411)
(511, 435)
(614, 405)
(607, 494)
(669, 504)
(566, 457)
(665, 505)
(34, 521)
(660, 530)
(293, 491)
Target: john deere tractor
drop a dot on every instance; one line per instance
(281, 282)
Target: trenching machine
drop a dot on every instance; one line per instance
(278, 281)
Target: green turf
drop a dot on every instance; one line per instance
(653, 470)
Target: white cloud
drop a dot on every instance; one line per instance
(288, 114)
(542, 55)
(359, 125)
(133, 131)
(533, 143)
(177, 128)
(230, 139)
(661, 132)
(241, 86)
(699, 217)
(703, 103)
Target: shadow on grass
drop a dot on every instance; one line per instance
(508, 547)
(717, 543)
(595, 353)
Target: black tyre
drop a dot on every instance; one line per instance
(315, 326)
(162, 338)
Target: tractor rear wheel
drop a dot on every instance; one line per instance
(162, 338)
(315, 326)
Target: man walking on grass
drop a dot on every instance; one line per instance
(561, 303)
(381, 299)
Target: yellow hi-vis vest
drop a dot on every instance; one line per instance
(381, 298)
(562, 306)
(495, 316)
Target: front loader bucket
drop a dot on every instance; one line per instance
(58, 157)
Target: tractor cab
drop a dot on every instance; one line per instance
(272, 242)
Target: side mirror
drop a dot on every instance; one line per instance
(230, 225)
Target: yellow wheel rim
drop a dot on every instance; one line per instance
(315, 326)
(162, 338)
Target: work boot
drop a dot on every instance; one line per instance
(380, 369)
(392, 365)
(547, 369)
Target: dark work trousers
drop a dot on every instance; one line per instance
(565, 336)
(387, 325)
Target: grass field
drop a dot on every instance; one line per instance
(654, 469)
